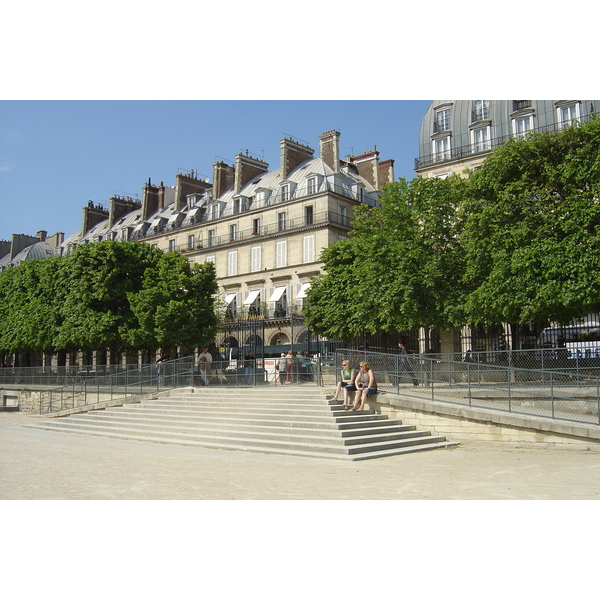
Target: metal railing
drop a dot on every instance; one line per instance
(545, 383)
(143, 379)
(478, 148)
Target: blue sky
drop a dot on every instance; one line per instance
(56, 155)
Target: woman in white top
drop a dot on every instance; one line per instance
(365, 386)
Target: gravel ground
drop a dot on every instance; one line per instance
(44, 465)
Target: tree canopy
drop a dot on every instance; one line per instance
(118, 295)
(531, 236)
(516, 241)
(401, 267)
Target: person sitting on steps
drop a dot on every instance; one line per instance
(346, 383)
(365, 386)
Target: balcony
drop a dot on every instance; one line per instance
(325, 218)
(471, 150)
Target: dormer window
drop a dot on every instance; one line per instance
(480, 110)
(285, 193)
(568, 114)
(311, 185)
(442, 120)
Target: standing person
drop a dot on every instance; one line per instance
(249, 366)
(365, 386)
(205, 360)
(289, 357)
(159, 368)
(346, 382)
(282, 367)
(405, 362)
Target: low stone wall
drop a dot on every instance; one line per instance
(467, 424)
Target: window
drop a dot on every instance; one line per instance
(308, 215)
(232, 233)
(343, 215)
(285, 193)
(281, 254)
(522, 125)
(281, 221)
(236, 206)
(171, 245)
(442, 120)
(309, 248)
(480, 111)
(568, 115)
(255, 226)
(211, 259)
(214, 211)
(521, 104)
(211, 237)
(191, 241)
(441, 148)
(255, 259)
(480, 139)
(311, 185)
(232, 263)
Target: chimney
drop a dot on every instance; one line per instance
(367, 166)
(329, 149)
(386, 171)
(56, 240)
(41, 235)
(120, 207)
(4, 248)
(223, 178)
(293, 154)
(153, 199)
(92, 215)
(186, 184)
(246, 168)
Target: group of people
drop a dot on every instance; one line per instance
(285, 367)
(362, 381)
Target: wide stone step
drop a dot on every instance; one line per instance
(322, 449)
(302, 422)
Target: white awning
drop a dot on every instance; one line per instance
(303, 290)
(229, 298)
(277, 293)
(252, 296)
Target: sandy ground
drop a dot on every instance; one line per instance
(44, 465)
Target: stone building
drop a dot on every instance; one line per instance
(458, 135)
(263, 228)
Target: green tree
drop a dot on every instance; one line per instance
(401, 267)
(531, 236)
(30, 299)
(175, 304)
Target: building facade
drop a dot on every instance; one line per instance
(263, 229)
(458, 135)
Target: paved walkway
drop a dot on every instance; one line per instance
(37, 464)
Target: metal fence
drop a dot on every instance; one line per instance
(549, 383)
(144, 379)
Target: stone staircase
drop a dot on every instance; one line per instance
(297, 421)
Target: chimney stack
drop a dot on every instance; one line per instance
(329, 149)
(188, 184)
(92, 215)
(247, 168)
(223, 178)
(293, 154)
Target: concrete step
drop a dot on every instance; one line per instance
(256, 419)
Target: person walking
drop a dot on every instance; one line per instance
(289, 357)
(282, 368)
(249, 361)
(405, 362)
(205, 359)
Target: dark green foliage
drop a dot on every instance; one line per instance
(118, 295)
(531, 237)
